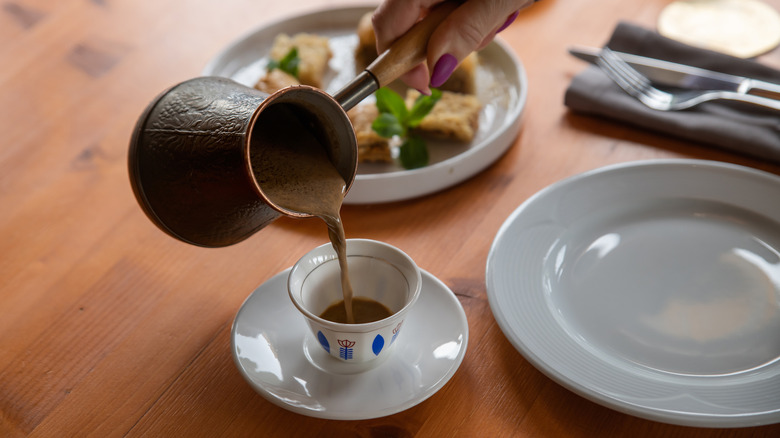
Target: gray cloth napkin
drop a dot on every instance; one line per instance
(737, 127)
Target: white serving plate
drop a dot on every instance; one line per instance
(651, 287)
(502, 89)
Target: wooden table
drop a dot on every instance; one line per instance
(109, 327)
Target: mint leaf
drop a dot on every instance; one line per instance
(387, 125)
(421, 107)
(414, 153)
(288, 64)
(395, 120)
(390, 102)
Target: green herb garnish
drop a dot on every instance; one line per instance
(288, 64)
(395, 119)
(414, 153)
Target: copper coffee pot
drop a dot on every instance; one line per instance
(189, 158)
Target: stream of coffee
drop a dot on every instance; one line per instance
(294, 171)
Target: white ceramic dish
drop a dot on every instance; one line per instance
(652, 288)
(502, 89)
(279, 357)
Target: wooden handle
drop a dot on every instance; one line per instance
(411, 48)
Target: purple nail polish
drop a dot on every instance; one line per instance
(508, 21)
(443, 69)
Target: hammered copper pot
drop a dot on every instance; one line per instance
(189, 159)
(190, 163)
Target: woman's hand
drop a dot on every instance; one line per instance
(470, 27)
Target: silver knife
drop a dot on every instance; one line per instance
(686, 76)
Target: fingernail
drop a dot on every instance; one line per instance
(443, 69)
(508, 21)
(425, 91)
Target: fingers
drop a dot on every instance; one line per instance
(508, 21)
(419, 79)
(470, 27)
(391, 20)
(394, 17)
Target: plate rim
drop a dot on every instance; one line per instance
(591, 392)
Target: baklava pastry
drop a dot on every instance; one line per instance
(464, 78)
(365, 53)
(275, 80)
(371, 146)
(313, 51)
(454, 117)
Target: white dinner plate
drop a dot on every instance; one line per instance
(278, 356)
(501, 87)
(651, 287)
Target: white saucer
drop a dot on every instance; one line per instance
(275, 352)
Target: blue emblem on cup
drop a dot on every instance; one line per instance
(396, 330)
(346, 350)
(323, 341)
(379, 342)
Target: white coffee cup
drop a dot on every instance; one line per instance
(377, 271)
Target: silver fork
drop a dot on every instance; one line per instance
(637, 85)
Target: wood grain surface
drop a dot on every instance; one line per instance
(108, 327)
